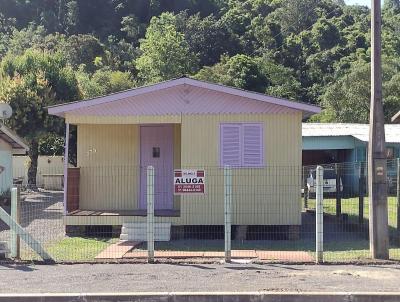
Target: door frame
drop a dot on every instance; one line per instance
(139, 193)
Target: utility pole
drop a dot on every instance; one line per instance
(377, 168)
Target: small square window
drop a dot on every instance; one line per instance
(156, 152)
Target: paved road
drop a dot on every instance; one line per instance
(97, 278)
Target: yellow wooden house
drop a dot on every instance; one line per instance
(185, 124)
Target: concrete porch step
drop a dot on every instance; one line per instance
(137, 231)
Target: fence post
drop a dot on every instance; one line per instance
(150, 214)
(228, 211)
(15, 215)
(305, 187)
(361, 189)
(338, 172)
(319, 215)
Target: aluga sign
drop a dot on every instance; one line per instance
(189, 182)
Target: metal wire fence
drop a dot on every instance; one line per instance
(265, 214)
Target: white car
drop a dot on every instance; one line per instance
(329, 181)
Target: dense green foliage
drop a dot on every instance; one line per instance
(31, 82)
(315, 51)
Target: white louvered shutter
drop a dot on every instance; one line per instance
(252, 154)
(230, 145)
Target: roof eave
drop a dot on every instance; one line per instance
(307, 114)
(15, 138)
(19, 151)
(312, 109)
(61, 109)
(307, 109)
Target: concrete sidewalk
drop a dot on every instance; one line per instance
(180, 277)
(203, 297)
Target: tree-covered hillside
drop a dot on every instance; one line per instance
(315, 51)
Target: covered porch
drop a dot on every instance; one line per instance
(111, 177)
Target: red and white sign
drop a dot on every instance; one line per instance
(189, 182)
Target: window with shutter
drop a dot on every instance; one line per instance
(252, 155)
(241, 145)
(230, 145)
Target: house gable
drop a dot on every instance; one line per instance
(182, 96)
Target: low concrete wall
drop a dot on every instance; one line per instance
(206, 297)
(47, 165)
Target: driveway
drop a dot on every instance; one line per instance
(41, 215)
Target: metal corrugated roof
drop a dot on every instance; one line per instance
(182, 96)
(181, 100)
(358, 131)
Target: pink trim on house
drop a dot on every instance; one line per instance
(182, 96)
(181, 100)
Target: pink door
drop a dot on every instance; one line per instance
(156, 149)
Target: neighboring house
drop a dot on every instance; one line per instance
(328, 143)
(181, 124)
(10, 144)
(325, 143)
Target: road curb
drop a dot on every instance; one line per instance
(203, 297)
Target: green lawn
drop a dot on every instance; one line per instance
(74, 249)
(353, 251)
(350, 207)
(78, 248)
(356, 249)
(337, 250)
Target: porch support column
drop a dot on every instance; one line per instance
(66, 151)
